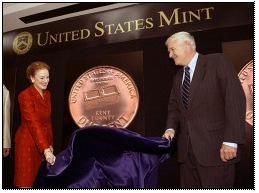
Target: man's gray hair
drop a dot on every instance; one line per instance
(181, 37)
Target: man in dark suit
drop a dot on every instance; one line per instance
(209, 120)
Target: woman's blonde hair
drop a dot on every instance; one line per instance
(33, 67)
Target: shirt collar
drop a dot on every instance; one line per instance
(193, 62)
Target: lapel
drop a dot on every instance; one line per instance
(38, 97)
(199, 72)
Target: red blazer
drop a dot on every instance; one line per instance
(36, 127)
(216, 110)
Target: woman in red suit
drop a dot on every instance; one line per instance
(34, 138)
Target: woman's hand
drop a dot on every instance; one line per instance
(49, 156)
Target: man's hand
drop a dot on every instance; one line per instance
(169, 134)
(227, 153)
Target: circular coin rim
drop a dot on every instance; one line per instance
(240, 72)
(115, 68)
(247, 64)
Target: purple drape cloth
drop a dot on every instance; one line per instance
(103, 157)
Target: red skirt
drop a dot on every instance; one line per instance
(27, 163)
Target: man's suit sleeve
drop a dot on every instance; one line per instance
(235, 101)
(173, 116)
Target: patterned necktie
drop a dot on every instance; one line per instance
(186, 86)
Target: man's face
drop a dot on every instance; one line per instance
(177, 52)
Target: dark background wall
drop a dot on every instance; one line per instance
(146, 60)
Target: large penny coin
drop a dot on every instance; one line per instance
(246, 78)
(104, 96)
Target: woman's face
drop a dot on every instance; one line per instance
(41, 79)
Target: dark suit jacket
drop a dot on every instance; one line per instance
(216, 110)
